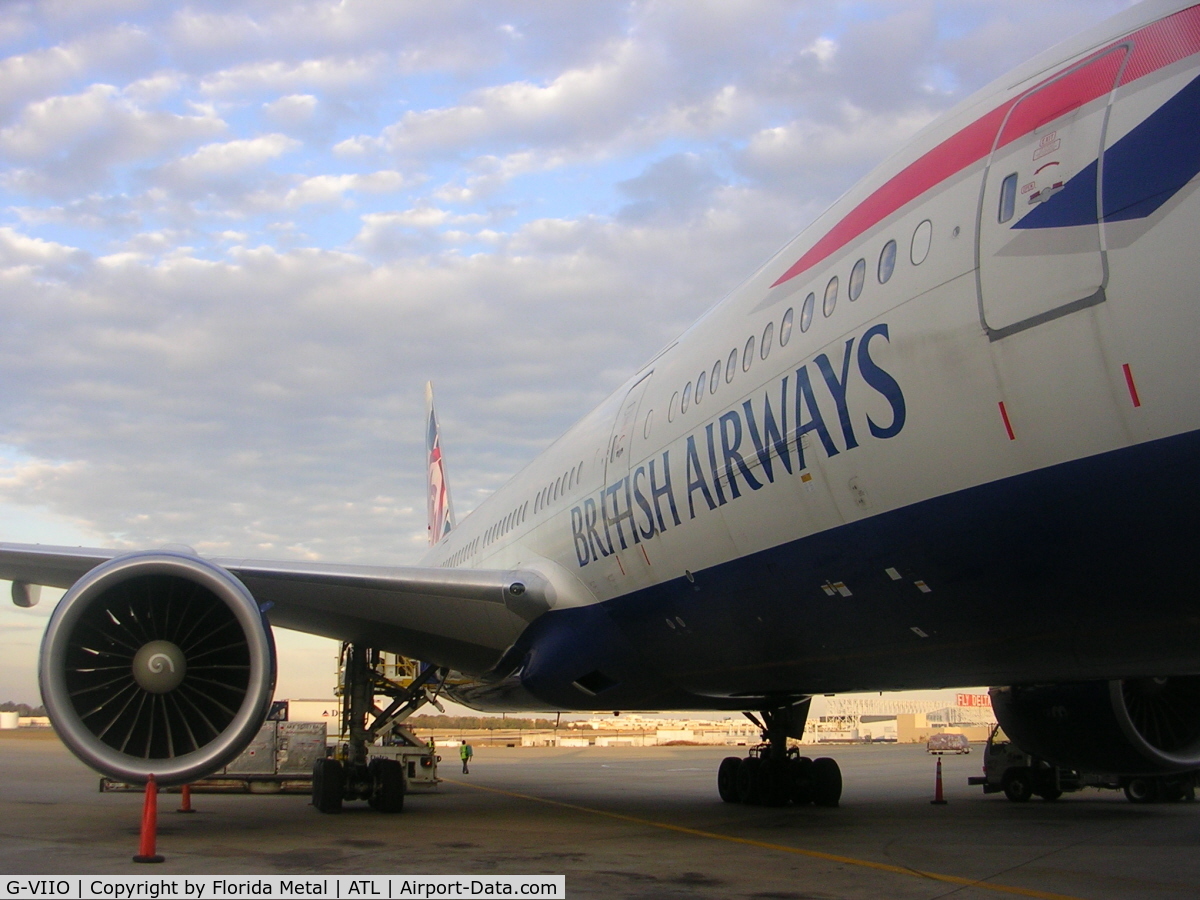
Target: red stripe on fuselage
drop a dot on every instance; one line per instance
(1155, 46)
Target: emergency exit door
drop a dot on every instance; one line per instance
(1039, 246)
(624, 434)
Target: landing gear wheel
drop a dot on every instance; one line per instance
(727, 778)
(826, 781)
(800, 768)
(1018, 784)
(774, 784)
(387, 785)
(747, 780)
(1142, 790)
(327, 785)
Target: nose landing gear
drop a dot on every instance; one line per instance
(774, 774)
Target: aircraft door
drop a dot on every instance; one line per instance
(620, 442)
(1039, 246)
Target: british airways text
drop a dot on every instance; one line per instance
(740, 451)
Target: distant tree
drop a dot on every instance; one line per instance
(22, 709)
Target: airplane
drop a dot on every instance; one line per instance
(947, 436)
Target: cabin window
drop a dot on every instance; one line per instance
(785, 327)
(715, 378)
(731, 366)
(700, 386)
(557, 485)
(674, 406)
(687, 398)
(922, 236)
(806, 311)
(1008, 198)
(646, 427)
(887, 262)
(748, 354)
(857, 276)
(768, 337)
(830, 301)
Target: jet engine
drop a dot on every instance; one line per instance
(1136, 726)
(157, 663)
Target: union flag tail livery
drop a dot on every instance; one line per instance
(947, 437)
(437, 489)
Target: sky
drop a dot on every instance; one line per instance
(236, 238)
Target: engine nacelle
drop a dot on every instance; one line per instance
(1137, 726)
(157, 663)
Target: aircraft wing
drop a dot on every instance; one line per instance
(460, 618)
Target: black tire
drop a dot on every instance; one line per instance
(327, 785)
(747, 780)
(373, 777)
(774, 784)
(727, 778)
(1050, 794)
(1142, 789)
(1018, 784)
(387, 785)
(800, 768)
(826, 781)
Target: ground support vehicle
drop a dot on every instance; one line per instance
(1020, 775)
(377, 757)
(948, 742)
(279, 760)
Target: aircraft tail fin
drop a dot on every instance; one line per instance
(440, 509)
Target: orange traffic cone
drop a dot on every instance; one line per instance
(938, 799)
(185, 794)
(147, 852)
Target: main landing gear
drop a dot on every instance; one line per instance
(351, 774)
(776, 775)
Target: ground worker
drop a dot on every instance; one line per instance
(465, 752)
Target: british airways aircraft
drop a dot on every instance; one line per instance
(948, 436)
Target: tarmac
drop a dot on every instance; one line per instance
(627, 823)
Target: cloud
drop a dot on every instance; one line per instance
(334, 188)
(825, 156)
(293, 110)
(221, 160)
(587, 101)
(25, 77)
(329, 75)
(678, 187)
(71, 143)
